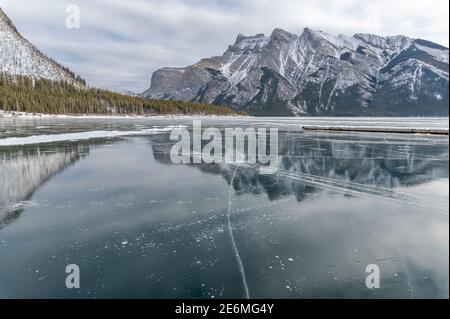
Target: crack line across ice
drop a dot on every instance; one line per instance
(233, 242)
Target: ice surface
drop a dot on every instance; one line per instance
(131, 218)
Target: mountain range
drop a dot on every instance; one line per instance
(316, 74)
(284, 74)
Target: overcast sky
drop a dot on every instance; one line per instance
(120, 43)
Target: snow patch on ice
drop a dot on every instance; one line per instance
(40, 139)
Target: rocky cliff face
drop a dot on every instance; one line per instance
(316, 74)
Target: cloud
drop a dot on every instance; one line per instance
(121, 43)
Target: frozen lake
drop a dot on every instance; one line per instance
(104, 194)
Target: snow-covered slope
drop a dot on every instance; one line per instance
(316, 73)
(19, 57)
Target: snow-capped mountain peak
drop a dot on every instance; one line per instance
(316, 73)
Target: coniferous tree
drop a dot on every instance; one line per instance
(23, 94)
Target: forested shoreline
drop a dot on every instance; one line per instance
(23, 94)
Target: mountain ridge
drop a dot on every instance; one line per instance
(316, 73)
(20, 57)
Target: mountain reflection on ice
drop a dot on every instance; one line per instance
(139, 226)
(350, 164)
(24, 170)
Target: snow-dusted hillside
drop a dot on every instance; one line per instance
(19, 57)
(316, 73)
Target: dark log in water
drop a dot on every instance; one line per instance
(398, 130)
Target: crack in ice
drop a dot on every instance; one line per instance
(233, 242)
